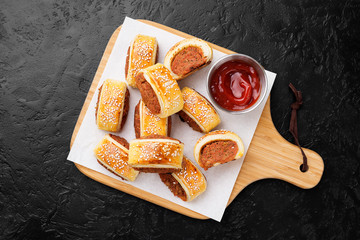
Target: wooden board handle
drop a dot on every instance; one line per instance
(272, 156)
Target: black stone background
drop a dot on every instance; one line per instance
(49, 53)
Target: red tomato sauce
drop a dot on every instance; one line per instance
(235, 85)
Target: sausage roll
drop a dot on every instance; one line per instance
(188, 56)
(159, 91)
(142, 53)
(146, 123)
(112, 106)
(156, 154)
(218, 147)
(198, 111)
(186, 184)
(112, 153)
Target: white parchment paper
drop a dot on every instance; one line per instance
(221, 179)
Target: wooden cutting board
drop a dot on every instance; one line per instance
(269, 154)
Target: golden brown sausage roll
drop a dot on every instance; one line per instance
(198, 111)
(186, 184)
(142, 53)
(156, 154)
(188, 56)
(146, 123)
(112, 106)
(218, 147)
(159, 91)
(112, 153)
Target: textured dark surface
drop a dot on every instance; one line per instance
(49, 52)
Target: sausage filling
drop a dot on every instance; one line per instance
(126, 108)
(147, 93)
(187, 60)
(185, 118)
(137, 120)
(173, 185)
(218, 152)
(120, 140)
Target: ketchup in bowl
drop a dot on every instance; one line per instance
(235, 85)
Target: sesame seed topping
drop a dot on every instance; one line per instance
(152, 124)
(115, 158)
(200, 109)
(143, 54)
(110, 105)
(156, 152)
(167, 86)
(191, 177)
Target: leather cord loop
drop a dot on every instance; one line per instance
(293, 124)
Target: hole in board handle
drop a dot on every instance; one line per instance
(303, 170)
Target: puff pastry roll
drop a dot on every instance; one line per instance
(198, 111)
(146, 123)
(112, 106)
(156, 154)
(142, 53)
(159, 91)
(186, 184)
(218, 147)
(112, 153)
(188, 56)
